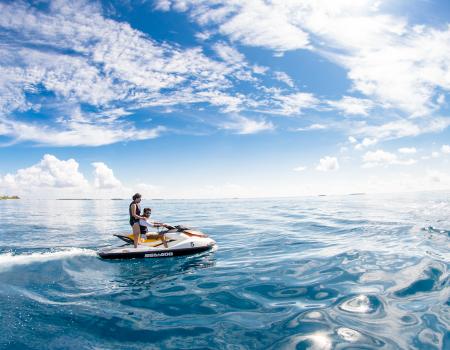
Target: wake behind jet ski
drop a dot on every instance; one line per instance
(180, 241)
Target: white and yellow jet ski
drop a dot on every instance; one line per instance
(179, 241)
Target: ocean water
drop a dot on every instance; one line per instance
(344, 272)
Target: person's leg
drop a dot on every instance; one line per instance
(136, 234)
(163, 239)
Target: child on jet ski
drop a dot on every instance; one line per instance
(145, 224)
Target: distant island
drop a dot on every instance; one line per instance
(90, 199)
(9, 197)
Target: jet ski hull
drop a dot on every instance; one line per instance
(130, 253)
(178, 243)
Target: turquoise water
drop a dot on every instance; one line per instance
(350, 272)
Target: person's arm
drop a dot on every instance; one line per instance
(159, 224)
(143, 222)
(133, 212)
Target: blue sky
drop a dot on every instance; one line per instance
(185, 99)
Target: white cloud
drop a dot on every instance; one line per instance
(293, 104)
(76, 133)
(50, 172)
(379, 157)
(257, 69)
(253, 25)
(76, 54)
(403, 128)
(328, 164)
(104, 176)
(383, 158)
(248, 22)
(203, 36)
(317, 127)
(404, 69)
(300, 168)
(244, 126)
(352, 140)
(229, 54)
(283, 77)
(227, 102)
(445, 149)
(55, 178)
(72, 51)
(389, 60)
(407, 150)
(366, 142)
(313, 127)
(162, 5)
(352, 105)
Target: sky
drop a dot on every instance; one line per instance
(223, 99)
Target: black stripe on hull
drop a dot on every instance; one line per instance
(163, 254)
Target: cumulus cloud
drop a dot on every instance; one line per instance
(57, 178)
(50, 172)
(328, 164)
(104, 176)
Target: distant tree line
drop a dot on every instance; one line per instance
(9, 197)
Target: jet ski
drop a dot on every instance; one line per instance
(175, 241)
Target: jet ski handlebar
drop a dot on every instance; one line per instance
(179, 228)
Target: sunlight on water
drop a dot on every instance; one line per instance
(359, 304)
(348, 334)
